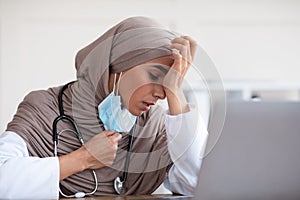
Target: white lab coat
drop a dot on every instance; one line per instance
(25, 177)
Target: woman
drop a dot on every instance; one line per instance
(131, 144)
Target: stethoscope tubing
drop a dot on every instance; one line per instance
(125, 173)
(72, 121)
(55, 135)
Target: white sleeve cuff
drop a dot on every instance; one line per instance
(24, 177)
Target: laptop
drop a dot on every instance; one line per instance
(256, 156)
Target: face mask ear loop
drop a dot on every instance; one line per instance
(117, 93)
(114, 84)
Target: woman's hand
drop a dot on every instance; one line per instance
(184, 49)
(102, 149)
(98, 152)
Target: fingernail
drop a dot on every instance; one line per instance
(175, 51)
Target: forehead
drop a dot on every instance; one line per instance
(166, 60)
(159, 63)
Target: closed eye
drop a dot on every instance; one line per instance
(153, 77)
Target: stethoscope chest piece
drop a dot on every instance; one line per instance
(118, 184)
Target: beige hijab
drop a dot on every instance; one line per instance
(129, 43)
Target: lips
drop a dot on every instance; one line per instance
(147, 105)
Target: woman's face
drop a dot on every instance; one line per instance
(141, 86)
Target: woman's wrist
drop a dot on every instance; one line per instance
(177, 102)
(73, 163)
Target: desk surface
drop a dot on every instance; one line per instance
(131, 197)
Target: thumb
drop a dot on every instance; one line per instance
(108, 133)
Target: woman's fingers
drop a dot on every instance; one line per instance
(103, 149)
(115, 138)
(183, 44)
(193, 45)
(177, 60)
(108, 133)
(183, 48)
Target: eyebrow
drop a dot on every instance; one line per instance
(161, 68)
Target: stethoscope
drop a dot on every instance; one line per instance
(119, 181)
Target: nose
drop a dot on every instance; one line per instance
(159, 92)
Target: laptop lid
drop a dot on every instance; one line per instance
(257, 155)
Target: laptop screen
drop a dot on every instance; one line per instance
(256, 155)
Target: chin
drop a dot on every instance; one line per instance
(139, 114)
(136, 112)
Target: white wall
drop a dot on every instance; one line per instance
(247, 39)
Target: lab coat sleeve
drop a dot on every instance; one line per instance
(187, 135)
(25, 177)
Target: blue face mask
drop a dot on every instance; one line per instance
(113, 115)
